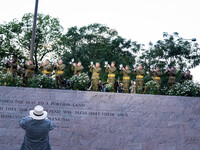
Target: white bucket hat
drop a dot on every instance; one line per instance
(38, 113)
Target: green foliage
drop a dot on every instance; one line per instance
(109, 87)
(8, 80)
(147, 78)
(41, 81)
(172, 51)
(152, 87)
(188, 88)
(9, 33)
(97, 43)
(164, 90)
(15, 37)
(80, 82)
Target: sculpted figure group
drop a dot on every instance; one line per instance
(27, 71)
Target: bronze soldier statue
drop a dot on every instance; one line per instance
(59, 73)
(29, 72)
(172, 76)
(133, 87)
(46, 69)
(95, 76)
(12, 67)
(73, 68)
(78, 69)
(139, 78)
(126, 78)
(156, 73)
(111, 73)
(186, 76)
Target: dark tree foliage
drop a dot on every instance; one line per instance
(15, 37)
(98, 43)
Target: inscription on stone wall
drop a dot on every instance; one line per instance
(103, 121)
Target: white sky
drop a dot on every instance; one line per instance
(140, 20)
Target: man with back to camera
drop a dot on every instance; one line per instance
(37, 128)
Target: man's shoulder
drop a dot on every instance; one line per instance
(25, 120)
(28, 118)
(47, 120)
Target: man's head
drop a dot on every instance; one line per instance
(112, 64)
(60, 62)
(30, 62)
(14, 60)
(140, 66)
(188, 72)
(74, 64)
(157, 68)
(127, 67)
(38, 113)
(97, 64)
(172, 68)
(79, 64)
(47, 62)
(132, 81)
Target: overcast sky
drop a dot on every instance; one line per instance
(140, 20)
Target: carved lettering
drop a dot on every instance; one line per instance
(6, 101)
(58, 119)
(81, 112)
(11, 109)
(60, 104)
(40, 103)
(67, 112)
(23, 109)
(192, 140)
(122, 115)
(19, 101)
(11, 116)
(30, 102)
(107, 114)
(94, 113)
(78, 105)
(54, 111)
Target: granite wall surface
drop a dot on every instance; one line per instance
(103, 121)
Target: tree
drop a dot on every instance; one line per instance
(8, 41)
(172, 51)
(48, 35)
(17, 36)
(98, 43)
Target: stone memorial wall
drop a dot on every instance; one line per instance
(103, 121)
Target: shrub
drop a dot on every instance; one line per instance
(80, 82)
(109, 87)
(152, 87)
(188, 88)
(8, 80)
(42, 81)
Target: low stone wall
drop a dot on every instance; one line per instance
(103, 121)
